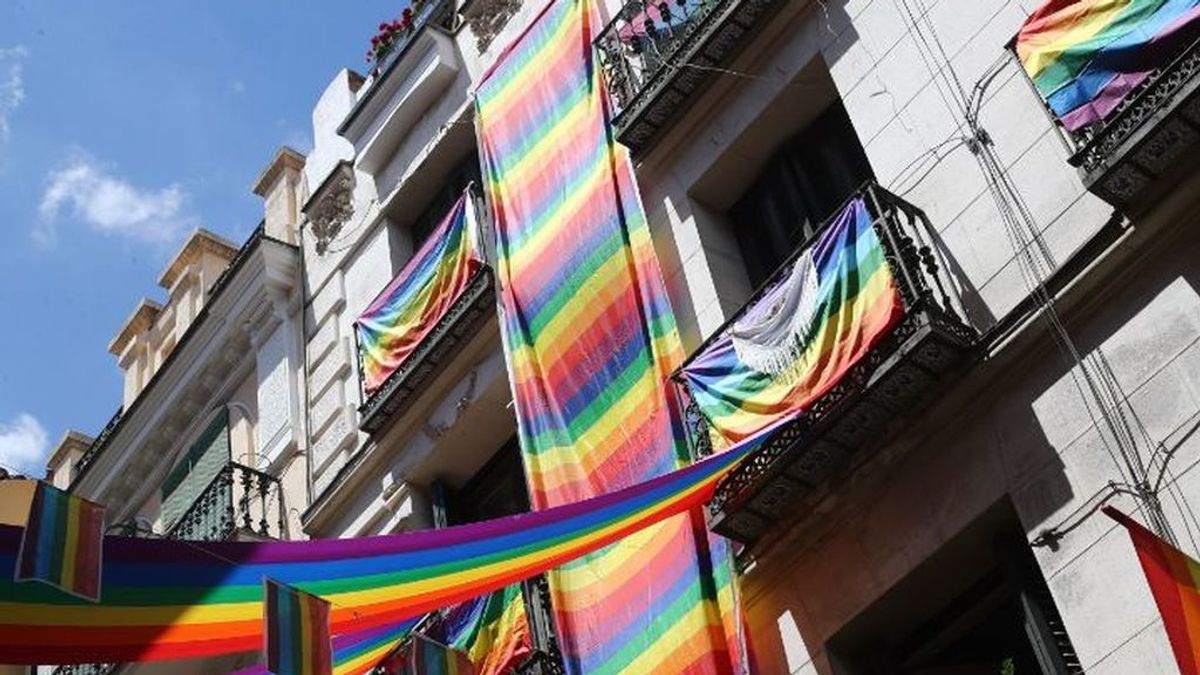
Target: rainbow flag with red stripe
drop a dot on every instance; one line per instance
(395, 324)
(63, 542)
(492, 630)
(591, 342)
(296, 631)
(802, 335)
(1086, 56)
(1174, 580)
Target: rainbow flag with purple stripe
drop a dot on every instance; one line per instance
(296, 631)
(63, 542)
(837, 300)
(1086, 56)
(392, 327)
(426, 657)
(591, 342)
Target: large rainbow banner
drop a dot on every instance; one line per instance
(591, 341)
(1174, 580)
(409, 307)
(837, 300)
(1086, 56)
(168, 599)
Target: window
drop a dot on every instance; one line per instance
(802, 184)
(462, 175)
(496, 490)
(198, 467)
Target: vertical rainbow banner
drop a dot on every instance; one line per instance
(409, 307)
(1086, 56)
(62, 543)
(1174, 580)
(591, 341)
(296, 631)
(802, 335)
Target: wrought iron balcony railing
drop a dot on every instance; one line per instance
(902, 371)
(656, 55)
(1148, 144)
(458, 325)
(88, 669)
(238, 502)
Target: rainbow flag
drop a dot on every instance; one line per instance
(62, 542)
(409, 307)
(427, 657)
(1086, 56)
(802, 336)
(166, 599)
(492, 630)
(591, 341)
(1174, 580)
(358, 652)
(297, 631)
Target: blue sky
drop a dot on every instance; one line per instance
(124, 125)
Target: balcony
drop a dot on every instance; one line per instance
(911, 364)
(545, 658)
(656, 57)
(240, 503)
(1147, 145)
(453, 330)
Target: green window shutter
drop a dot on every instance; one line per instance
(198, 467)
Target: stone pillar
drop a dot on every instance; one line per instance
(280, 185)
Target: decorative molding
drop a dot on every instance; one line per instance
(488, 17)
(331, 205)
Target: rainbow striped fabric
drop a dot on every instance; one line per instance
(358, 652)
(409, 307)
(591, 342)
(1086, 56)
(166, 599)
(62, 543)
(847, 304)
(296, 632)
(492, 630)
(430, 658)
(1174, 580)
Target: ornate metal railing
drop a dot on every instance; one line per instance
(88, 669)
(425, 12)
(932, 338)
(1154, 128)
(97, 445)
(655, 54)
(238, 501)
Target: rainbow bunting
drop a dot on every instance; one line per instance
(166, 599)
(1086, 56)
(1174, 580)
(62, 542)
(591, 341)
(409, 307)
(802, 335)
(297, 631)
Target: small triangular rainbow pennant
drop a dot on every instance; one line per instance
(296, 631)
(63, 542)
(1174, 580)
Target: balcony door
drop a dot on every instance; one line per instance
(801, 185)
(193, 473)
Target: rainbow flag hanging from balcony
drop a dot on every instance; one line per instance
(591, 341)
(835, 302)
(1174, 580)
(492, 630)
(63, 542)
(297, 631)
(424, 291)
(1086, 56)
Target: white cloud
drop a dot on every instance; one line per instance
(111, 205)
(24, 444)
(12, 86)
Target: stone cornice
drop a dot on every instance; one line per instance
(201, 241)
(139, 321)
(285, 158)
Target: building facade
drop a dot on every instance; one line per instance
(932, 512)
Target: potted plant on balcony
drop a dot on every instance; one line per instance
(391, 34)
